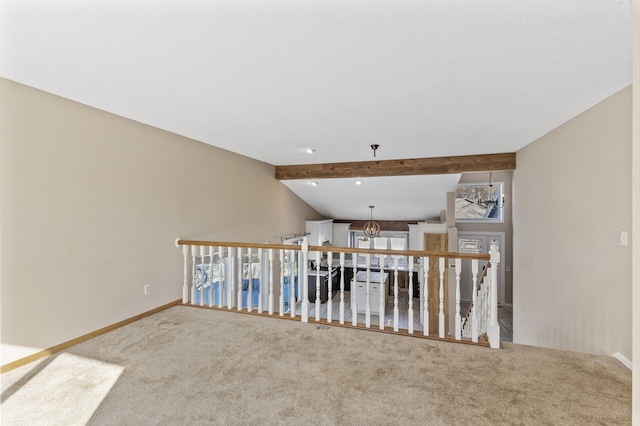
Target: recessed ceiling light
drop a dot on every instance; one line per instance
(309, 150)
(314, 183)
(358, 182)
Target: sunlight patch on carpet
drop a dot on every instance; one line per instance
(83, 382)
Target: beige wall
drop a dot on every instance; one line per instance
(636, 209)
(91, 204)
(506, 226)
(572, 198)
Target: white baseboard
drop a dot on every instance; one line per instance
(623, 359)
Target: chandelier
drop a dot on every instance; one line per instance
(371, 229)
(492, 199)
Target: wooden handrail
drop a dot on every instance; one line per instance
(236, 244)
(336, 249)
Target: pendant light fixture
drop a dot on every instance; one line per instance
(371, 229)
(492, 199)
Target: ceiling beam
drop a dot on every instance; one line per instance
(407, 167)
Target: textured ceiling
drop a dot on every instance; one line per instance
(268, 79)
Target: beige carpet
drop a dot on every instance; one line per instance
(189, 366)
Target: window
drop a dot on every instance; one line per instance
(386, 241)
(480, 202)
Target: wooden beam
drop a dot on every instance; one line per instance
(407, 167)
(385, 225)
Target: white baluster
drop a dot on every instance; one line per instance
(474, 301)
(240, 279)
(271, 297)
(341, 288)
(329, 289)
(185, 286)
(479, 310)
(305, 280)
(221, 276)
(354, 292)
(318, 285)
(281, 301)
(292, 284)
(494, 327)
(367, 319)
(483, 305)
(250, 274)
(485, 302)
(382, 288)
(410, 309)
(261, 280)
(441, 306)
(193, 278)
(211, 293)
(425, 290)
(202, 276)
(458, 325)
(230, 278)
(396, 309)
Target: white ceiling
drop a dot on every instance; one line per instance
(268, 79)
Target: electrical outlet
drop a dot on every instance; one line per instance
(147, 288)
(624, 238)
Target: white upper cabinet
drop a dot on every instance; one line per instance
(319, 232)
(341, 234)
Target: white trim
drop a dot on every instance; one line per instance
(624, 360)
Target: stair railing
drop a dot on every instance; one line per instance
(246, 276)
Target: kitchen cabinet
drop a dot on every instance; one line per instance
(377, 290)
(326, 279)
(319, 232)
(341, 234)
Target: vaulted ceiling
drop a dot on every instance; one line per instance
(269, 79)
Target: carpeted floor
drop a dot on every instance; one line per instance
(189, 366)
